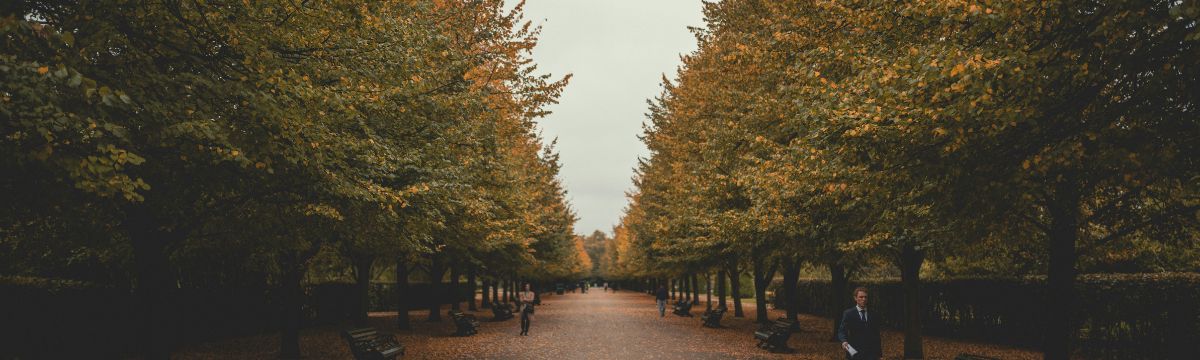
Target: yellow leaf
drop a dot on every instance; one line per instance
(43, 70)
(957, 69)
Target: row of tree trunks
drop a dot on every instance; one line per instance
(911, 260)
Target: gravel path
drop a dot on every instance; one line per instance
(596, 325)
(600, 325)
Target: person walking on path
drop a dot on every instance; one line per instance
(859, 331)
(661, 295)
(526, 297)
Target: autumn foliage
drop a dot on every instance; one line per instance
(947, 137)
(209, 144)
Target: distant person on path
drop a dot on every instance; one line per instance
(526, 297)
(860, 329)
(661, 295)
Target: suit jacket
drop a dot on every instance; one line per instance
(863, 336)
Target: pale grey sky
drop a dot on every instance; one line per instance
(618, 51)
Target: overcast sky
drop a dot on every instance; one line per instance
(618, 51)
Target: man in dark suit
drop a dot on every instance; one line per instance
(860, 329)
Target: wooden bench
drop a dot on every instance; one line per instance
(502, 311)
(973, 357)
(369, 344)
(774, 336)
(712, 318)
(465, 324)
(683, 308)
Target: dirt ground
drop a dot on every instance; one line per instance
(596, 325)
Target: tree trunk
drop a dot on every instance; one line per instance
(691, 288)
(455, 289)
(838, 294)
(671, 285)
(735, 287)
(762, 278)
(154, 284)
(910, 277)
(496, 284)
(289, 341)
(721, 288)
(708, 290)
(485, 301)
(1060, 280)
(695, 288)
(436, 270)
(687, 288)
(402, 294)
(294, 264)
(680, 288)
(791, 273)
(362, 288)
(471, 288)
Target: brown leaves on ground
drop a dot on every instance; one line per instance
(596, 325)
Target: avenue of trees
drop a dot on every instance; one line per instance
(210, 144)
(952, 137)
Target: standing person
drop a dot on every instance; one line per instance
(526, 297)
(661, 295)
(860, 329)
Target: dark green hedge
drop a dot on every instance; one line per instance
(51, 319)
(1120, 316)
